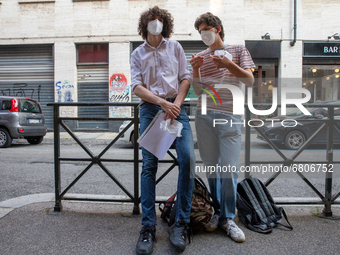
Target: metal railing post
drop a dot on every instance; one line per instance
(58, 206)
(247, 142)
(136, 160)
(329, 174)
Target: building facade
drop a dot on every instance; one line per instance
(79, 50)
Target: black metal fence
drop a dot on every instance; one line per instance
(327, 199)
(330, 124)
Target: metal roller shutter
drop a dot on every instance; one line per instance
(189, 47)
(28, 70)
(93, 86)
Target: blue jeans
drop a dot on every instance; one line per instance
(220, 146)
(186, 165)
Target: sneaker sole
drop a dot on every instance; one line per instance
(238, 241)
(210, 229)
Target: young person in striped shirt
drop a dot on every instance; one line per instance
(220, 145)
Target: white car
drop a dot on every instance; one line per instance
(128, 135)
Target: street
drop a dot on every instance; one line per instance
(29, 169)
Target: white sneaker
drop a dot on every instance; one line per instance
(234, 231)
(212, 224)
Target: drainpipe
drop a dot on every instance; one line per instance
(292, 43)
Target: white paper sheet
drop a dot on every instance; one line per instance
(156, 140)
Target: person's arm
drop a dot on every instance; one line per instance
(245, 75)
(171, 109)
(196, 63)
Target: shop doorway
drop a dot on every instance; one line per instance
(265, 80)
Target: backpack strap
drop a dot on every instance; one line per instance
(254, 201)
(268, 209)
(258, 230)
(201, 182)
(285, 215)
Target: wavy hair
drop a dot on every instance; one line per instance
(211, 20)
(168, 22)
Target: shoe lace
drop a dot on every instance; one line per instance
(187, 233)
(146, 232)
(232, 225)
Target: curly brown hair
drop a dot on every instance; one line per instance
(211, 20)
(168, 22)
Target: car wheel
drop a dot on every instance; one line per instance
(294, 140)
(35, 139)
(5, 138)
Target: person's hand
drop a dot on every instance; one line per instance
(172, 110)
(196, 61)
(220, 62)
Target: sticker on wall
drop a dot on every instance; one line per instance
(118, 82)
(119, 93)
(65, 92)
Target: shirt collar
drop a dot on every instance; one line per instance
(162, 42)
(223, 47)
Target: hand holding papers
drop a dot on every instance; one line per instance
(222, 54)
(159, 135)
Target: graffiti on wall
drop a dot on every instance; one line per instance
(119, 92)
(65, 90)
(22, 90)
(64, 93)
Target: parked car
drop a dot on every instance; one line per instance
(294, 137)
(21, 118)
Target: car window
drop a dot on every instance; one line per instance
(323, 112)
(29, 106)
(337, 111)
(6, 105)
(297, 111)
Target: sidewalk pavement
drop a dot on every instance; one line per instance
(30, 226)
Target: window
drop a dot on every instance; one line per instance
(323, 82)
(6, 105)
(92, 54)
(29, 106)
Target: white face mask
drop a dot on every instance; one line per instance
(155, 27)
(208, 37)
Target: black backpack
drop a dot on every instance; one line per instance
(256, 208)
(201, 207)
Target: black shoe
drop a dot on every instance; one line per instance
(145, 241)
(178, 236)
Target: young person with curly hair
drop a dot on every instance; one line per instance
(220, 144)
(160, 78)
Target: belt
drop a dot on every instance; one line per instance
(169, 99)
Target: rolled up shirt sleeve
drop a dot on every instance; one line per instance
(183, 70)
(136, 72)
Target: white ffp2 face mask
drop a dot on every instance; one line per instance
(208, 37)
(155, 27)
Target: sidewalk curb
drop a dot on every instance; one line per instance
(9, 205)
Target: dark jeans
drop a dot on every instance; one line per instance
(186, 161)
